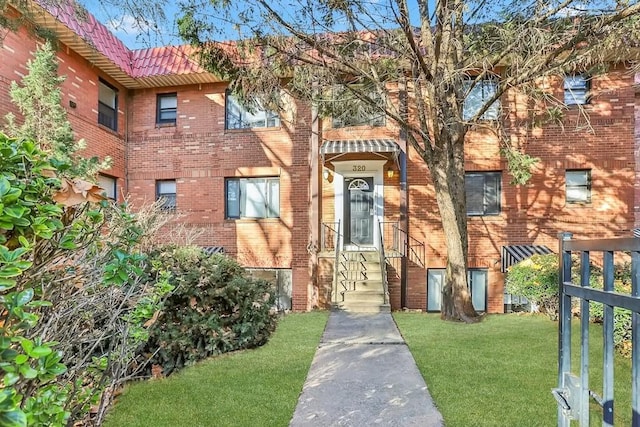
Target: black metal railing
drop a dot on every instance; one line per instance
(329, 236)
(573, 392)
(398, 243)
(383, 265)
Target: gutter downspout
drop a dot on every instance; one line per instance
(404, 194)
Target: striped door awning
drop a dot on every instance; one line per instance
(360, 146)
(513, 254)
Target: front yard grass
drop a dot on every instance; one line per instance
(245, 388)
(500, 372)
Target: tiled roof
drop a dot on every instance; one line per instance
(157, 61)
(135, 68)
(90, 30)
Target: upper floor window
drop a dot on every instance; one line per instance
(239, 116)
(167, 108)
(252, 197)
(578, 184)
(350, 110)
(477, 96)
(109, 185)
(483, 192)
(166, 194)
(107, 105)
(576, 89)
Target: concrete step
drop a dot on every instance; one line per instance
(371, 256)
(365, 307)
(362, 285)
(359, 275)
(363, 296)
(359, 265)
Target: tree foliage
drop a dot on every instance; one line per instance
(435, 56)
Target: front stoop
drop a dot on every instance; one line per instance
(360, 272)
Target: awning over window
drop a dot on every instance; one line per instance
(360, 146)
(513, 254)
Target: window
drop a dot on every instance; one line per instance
(478, 96)
(483, 192)
(578, 186)
(167, 108)
(166, 194)
(107, 105)
(246, 117)
(476, 280)
(108, 184)
(252, 197)
(349, 110)
(576, 89)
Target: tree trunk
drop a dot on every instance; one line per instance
(447, 172)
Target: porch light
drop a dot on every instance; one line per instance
(390, 173)
(326, 174)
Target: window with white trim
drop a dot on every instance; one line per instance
(477, 280)
(107, 105)
(483, 193)
(109, 185)
(576, 89)
(578, 183)
(477, 96)
(167, 108)
(252, 197)
(166, 194)
(238, 116)
(349, 110)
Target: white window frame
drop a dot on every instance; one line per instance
(252, 198)
(478, 288)
(238, 116)
(576, 89)
(489, 178)
(166, 193)
(110, 186)
(107, 105)
(578, 186)
(477, 96)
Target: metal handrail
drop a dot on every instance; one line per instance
(403, 244)
(329, 236)
(383, 265)
(334, 286)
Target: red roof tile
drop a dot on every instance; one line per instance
(152, 62)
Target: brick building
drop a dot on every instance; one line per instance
(284, 193)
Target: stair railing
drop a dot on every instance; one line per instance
(338, 243)
(401, 243)
(383, 265)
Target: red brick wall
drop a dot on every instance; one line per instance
(534, 213)
(199, 154)
(80, 86)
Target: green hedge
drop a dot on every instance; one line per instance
(215, 308)
(536, 279)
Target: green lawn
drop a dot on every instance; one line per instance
(500, 372)
(247, 388)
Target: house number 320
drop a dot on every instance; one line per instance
(359, 168)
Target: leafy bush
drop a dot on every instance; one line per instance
(621, 317)
(536, 279)
(215, 308)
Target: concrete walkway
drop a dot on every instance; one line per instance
(363, 374)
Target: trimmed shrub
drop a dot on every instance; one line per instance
(215, 308)
(536, 279)
(621, 316)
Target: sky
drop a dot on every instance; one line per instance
(135, 34)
